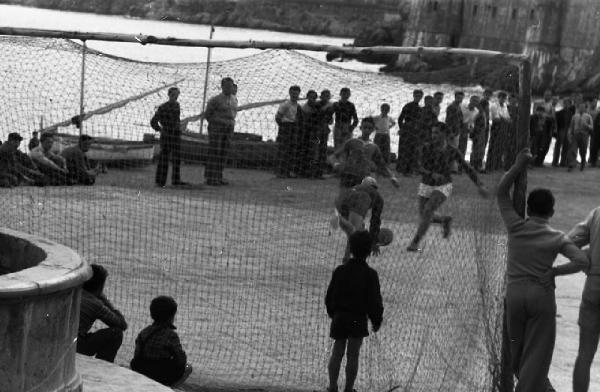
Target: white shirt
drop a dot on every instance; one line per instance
(383, 124)
(499, 112)
(287, 111)
(469, 116)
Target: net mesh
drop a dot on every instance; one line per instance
(249, 264)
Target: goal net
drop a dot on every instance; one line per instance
(249, 263)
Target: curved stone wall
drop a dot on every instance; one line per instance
(40, 290)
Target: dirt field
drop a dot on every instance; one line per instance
(249, 264)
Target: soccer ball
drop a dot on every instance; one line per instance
(385, 237)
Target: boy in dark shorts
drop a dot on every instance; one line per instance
(353, 296)
(158, 352)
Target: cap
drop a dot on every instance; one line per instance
(369, 181)
(15, 136)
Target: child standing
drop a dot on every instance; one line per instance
(158, 351)
(383, 123)
(353, 296)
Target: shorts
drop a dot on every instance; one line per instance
(426, 190)
(589, 309)
(350, 200)
(347, 325)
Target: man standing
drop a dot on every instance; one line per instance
(307, 135)
(578, 136)
(498, 133)
(346, 118)
(455, 123)
(549, 127)
(470, 113)
(77, 162)
(563, 121)
(438, 97)
(289, 120)
(220, 113)
(383, 123)
(595, 140)
(479, 136)
(166, 120)
(588, 233)
(325, 119)
(103, 343)
(409, 135)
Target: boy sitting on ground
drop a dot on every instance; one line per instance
(353, 296)
(158, 352)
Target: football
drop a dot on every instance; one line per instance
(386, 236)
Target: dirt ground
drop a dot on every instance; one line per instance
(249, 264)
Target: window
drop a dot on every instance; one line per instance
(515, 13)
(494, 11)
(475, 10)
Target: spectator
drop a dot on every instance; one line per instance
(410, 137)
(104, 343)
(479, 136)
(455, 123)
(158, 352)
(80, 171)
(12, 172)
(34, 141)
(167, 121)
(537, 130)
(383, 123)
(595, 139)
(470, 112)
(345, 117)
(511, 132)
(325, 108)
(51, 164)
(578, 136)
(438, 98)
(289, 120)
(498, 134)
(353, 295)
(563, 121)
(220, 112)
(307, 136)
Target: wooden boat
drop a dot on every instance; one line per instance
(111, 152)
(247, 150)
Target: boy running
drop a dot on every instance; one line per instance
(436, 183)
(353, 296)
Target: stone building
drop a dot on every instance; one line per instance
(560, 36)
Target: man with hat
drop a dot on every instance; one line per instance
(12, 172)
(77, 162)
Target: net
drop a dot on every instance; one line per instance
(249, 263)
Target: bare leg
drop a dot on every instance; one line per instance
(337, 354)
(588, 344)
(352, 353)
(427, 208)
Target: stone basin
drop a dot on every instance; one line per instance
(40, 291)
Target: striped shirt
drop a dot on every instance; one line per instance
(588, 233)
(98, 308)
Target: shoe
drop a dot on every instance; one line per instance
(413, 248)
(447, 227)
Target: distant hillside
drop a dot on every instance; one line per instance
(306, 17)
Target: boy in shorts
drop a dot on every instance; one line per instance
(158, 351)
(436, 183)
(353, 296)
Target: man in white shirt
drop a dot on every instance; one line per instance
(498, 133)
(578, 136)
(288, 118)
(470, 113)
(383, 123)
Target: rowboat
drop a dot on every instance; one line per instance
(110, 152)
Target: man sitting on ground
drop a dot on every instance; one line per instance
(104, 343)
(12, 171)
(51, 164)
(77, 162)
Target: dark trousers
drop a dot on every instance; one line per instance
(498, 145)
(561, 149)
(479, 143)
(306, 151)
(323, 136)
(540, 144)
(382, 141)
(594, 147)
(510, 148)
(531, 317)
(54, 176)
(407, 153)
(578, 143)
(287, 149)
(103, 343)
(164, 371)
(219, 141)
(170, 149)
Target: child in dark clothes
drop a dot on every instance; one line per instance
(353, 296)
(158, 351)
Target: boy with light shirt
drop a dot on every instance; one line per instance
(383, 123)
